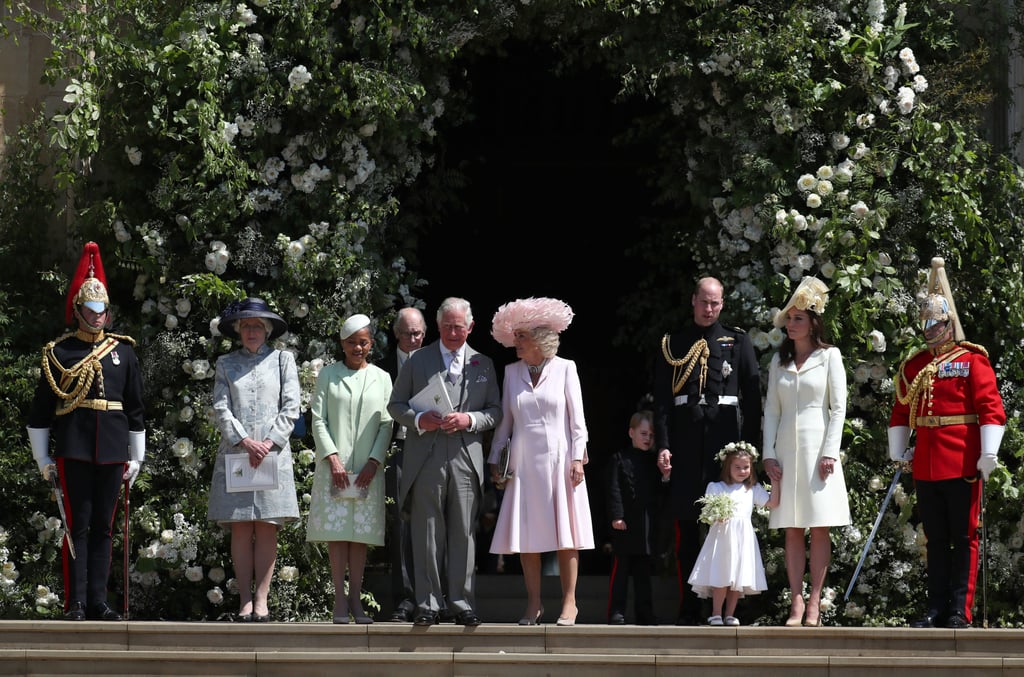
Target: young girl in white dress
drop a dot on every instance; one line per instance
(729, 565)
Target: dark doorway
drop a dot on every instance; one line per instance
(551, 206)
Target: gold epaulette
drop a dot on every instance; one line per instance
(122, 338)
(973, 347)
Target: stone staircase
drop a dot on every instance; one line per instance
(140, 648)
(500, 647)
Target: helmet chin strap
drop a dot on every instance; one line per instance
(943, 337)
(84, 325)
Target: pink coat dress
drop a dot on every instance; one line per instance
(541, 511)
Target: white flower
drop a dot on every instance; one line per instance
(859, 151)
(298, 78)
(216, 575)
(307, 457)
(288, 573)
(182, 447)
(806, 182)
(295, 249)
(716, 508)
(824, 187)
(245, 15)
(167, 536)
(906, 55)
(300, 310)
(859, 209)
(186, 413)
(171, 322)
(825, 172)
(875, 484)
(840, 141)
(866, 120)
(877, 339)
(905, 100)
(813, 201)
(134, 154)
(920, 84)
(877, 372)
(215, 595)
(775, 337)
(183, 307)
(194, 574)
(228, 130)
(861, 373)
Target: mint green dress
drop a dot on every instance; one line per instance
(350, 418)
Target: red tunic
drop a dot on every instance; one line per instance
(964, 383)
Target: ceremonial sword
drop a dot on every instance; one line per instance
(874, 530)
(60, 507)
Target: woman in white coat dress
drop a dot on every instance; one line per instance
(803, 427)
(545, 506)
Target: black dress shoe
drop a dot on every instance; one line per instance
(424, 618)
(926, 621)
(75, 612)
(617, 618)
(401, 615)
(265, 618)
(467, 618)
(102, 612)
(243, 618)
(957, 622)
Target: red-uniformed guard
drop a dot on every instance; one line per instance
(90, 394)
(948, 395)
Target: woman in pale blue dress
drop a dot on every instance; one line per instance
(255, 404)
(352, 431)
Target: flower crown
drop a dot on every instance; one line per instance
(737, 448)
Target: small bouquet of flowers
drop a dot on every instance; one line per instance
(716, 508)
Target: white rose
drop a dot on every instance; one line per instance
(877, 341)
(216, 596)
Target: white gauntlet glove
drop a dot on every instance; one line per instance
(899, 437)
(137, 453)
(39, 438)
(991, 436)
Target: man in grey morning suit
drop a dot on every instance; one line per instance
(443, 468)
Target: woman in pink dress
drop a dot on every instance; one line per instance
(545, 506)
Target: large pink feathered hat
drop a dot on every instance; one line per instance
(529, 314)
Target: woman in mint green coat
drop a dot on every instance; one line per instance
(352, 431)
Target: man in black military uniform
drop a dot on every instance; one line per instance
(707, 393)
(90, 394)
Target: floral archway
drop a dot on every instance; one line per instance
(215, 149)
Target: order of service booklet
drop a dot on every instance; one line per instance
(240, 476)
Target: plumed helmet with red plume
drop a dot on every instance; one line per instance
(89, 285)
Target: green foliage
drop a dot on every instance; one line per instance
(287, 149)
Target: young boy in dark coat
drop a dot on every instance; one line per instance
(635, 490)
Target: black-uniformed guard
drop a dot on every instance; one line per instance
(90, 394)
(707, 393)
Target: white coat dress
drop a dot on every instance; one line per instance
(804, 413)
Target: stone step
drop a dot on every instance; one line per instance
(495, 650)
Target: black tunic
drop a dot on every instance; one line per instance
(695, 432)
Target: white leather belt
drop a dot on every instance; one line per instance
(723, 400)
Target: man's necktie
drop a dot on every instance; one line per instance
(455, 368)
